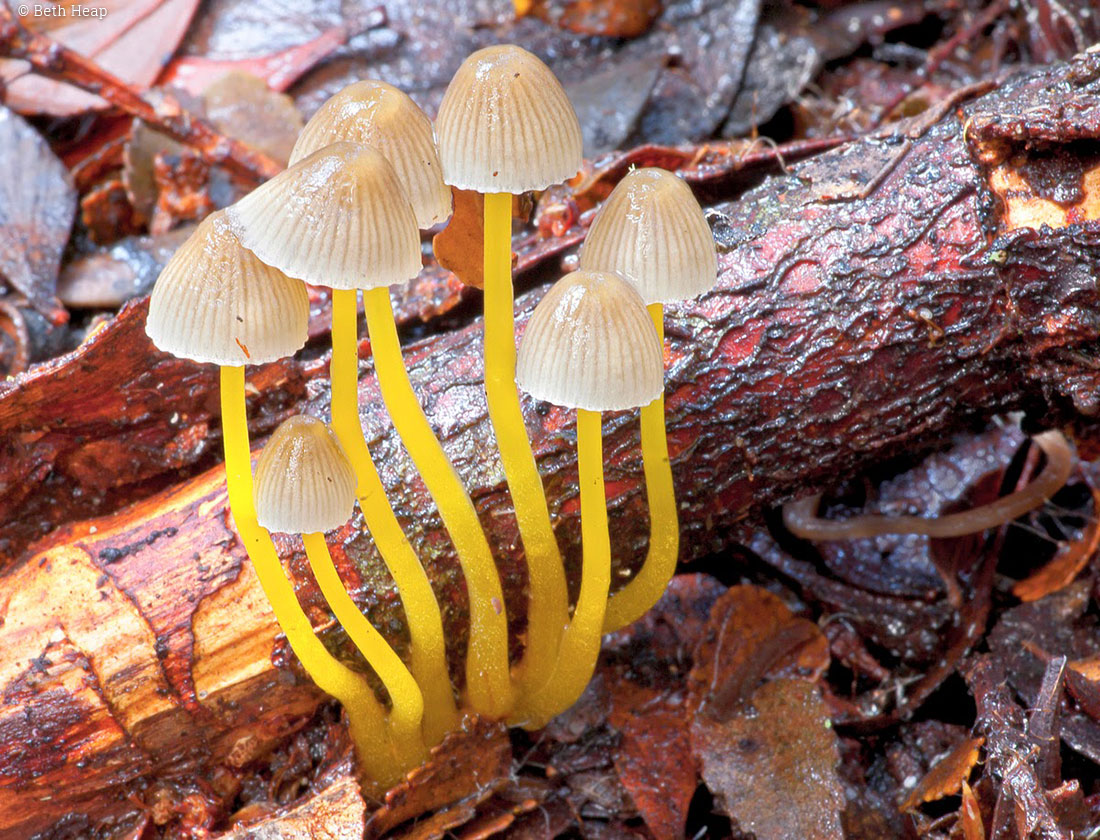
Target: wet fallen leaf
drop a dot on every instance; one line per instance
(946, 776)
(131, 39)
(773, 770)
(37, 204)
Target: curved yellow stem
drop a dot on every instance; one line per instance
(427, 650)
(646, 587)
(580, 645)
(366, 717)
(488, 683)
(407, 702)
(548, 594)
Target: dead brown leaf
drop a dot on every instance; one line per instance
(773, 769)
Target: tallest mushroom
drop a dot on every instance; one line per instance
(505, 126)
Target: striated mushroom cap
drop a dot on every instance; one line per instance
(304, 481)
(506, 125)
(216, 302)
(590, 343)
(653, 231)
(337, 218)
(376, 114)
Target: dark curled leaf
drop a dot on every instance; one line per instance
(37, 203)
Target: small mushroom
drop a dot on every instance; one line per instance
(340, 218)
(215, 303)
(653, 231)
(506, 126)
(305, 485)
(590, 345)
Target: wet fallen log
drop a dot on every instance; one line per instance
(879, 298)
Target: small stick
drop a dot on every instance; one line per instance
(56, 61)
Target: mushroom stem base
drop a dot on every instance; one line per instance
(407, 703)
(580, 644)
(366, 717)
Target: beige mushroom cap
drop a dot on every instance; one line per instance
(215, 302)
(505, 124)
(304, 481)
(337, 218)
(653, 231)
(590, 343)
(379, 115)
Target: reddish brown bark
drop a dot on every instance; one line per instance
(869, 305)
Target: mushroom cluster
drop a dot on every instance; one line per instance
(368, 172)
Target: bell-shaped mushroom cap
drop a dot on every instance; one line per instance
(505, 124)
(337, 218)
(216, 302)
(653, 231)
(304, 481)
(590, 343)
(379, 115)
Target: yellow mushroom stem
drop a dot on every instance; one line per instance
(427, 650)
(548, 593)
(580, 645)
(366, 716)
(407, 703)
(646, 587)
(488, 682)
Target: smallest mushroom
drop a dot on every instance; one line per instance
(305, 484)
(589, 345)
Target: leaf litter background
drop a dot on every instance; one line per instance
(896, 687)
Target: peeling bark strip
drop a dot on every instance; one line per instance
(869, 305)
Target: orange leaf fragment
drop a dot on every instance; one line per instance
(458, 247)
(947, 776)
(1066, 564)
(970, 815)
